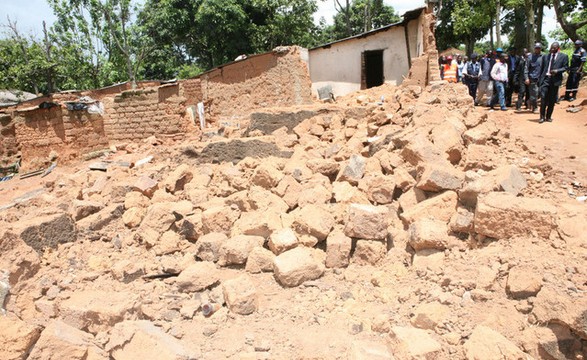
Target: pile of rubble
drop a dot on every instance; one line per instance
(397, 223)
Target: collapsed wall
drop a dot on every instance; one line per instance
(62, 122)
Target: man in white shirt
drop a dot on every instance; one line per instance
(499, 74)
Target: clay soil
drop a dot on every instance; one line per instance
(349, 311)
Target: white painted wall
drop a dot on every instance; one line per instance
(339, 65)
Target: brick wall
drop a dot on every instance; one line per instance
(69, 133)
(9, 146)
(278, 78)
(138, 114)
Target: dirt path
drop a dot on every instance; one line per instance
(560, 143)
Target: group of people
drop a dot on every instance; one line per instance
(533, 75)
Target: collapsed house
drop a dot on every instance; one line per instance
(75, 123)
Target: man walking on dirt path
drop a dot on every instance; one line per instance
(485, 83)
(499, 74)
(551, 77)
(471, 74)
(534, 68)
(575, 71)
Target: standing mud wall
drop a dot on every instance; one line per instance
(278, 78)
(40, 131)
(229, 92)
(138, 114)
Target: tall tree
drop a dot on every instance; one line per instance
(360, 16)
(471, 21)
(564, 13)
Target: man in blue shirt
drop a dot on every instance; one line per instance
(485, 82)
(575, 71)
(471, 74)
(534, 64)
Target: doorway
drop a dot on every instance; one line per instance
(372, 71)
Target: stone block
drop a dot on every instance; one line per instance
(219, 219)
(17, 338)
(133, 217)
(289, 190)
(266, 175)
(411, 343)
(326, 167)
(462, 221)
(84, 208)
(369, 350)
(260, 260)
(197, 277)
(135, 199)
(369, 252)
(20, 261)
(145, 185)
(503, 215)
(419, 150)
(487, 344)
(138, 340)
(257, 223)
(441, 207)
(506, 178)
(481, 134)
(379, 188)
(208, 246)
(94, 310)
(101, 219)
(240, 295)
(313, 220)
(523, 282)
(338, 249)
(236, 249)
(367, 222)
(282, 240)
(353, 171)
(178, 178)
(296, 266)
(428, 234)
(438, 177)
(159, 218)
(411, 198)
(447, 138)
(428, 316)
(62, 341)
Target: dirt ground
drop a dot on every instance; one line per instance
(447, 296)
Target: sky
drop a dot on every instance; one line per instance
(30, 14)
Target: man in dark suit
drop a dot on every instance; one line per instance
(554, 64)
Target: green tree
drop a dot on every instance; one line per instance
(361, 16)
(572, 16)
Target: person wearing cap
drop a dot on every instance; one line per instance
(551, 77)
(575, 70)
(471, 75)
(485, 86)
(450, 70)
(534, 65)
(499, 74)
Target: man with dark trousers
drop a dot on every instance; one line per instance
(513, 64)
(575, 70)
(554, 64)
(534, 68)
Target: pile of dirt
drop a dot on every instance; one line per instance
(402, 223)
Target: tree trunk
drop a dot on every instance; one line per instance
(569, 28)
(470, 45)
(50, 84)
(530, 18)
(539, 18)
(498, 24)
(491, 42)
(368, 21)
